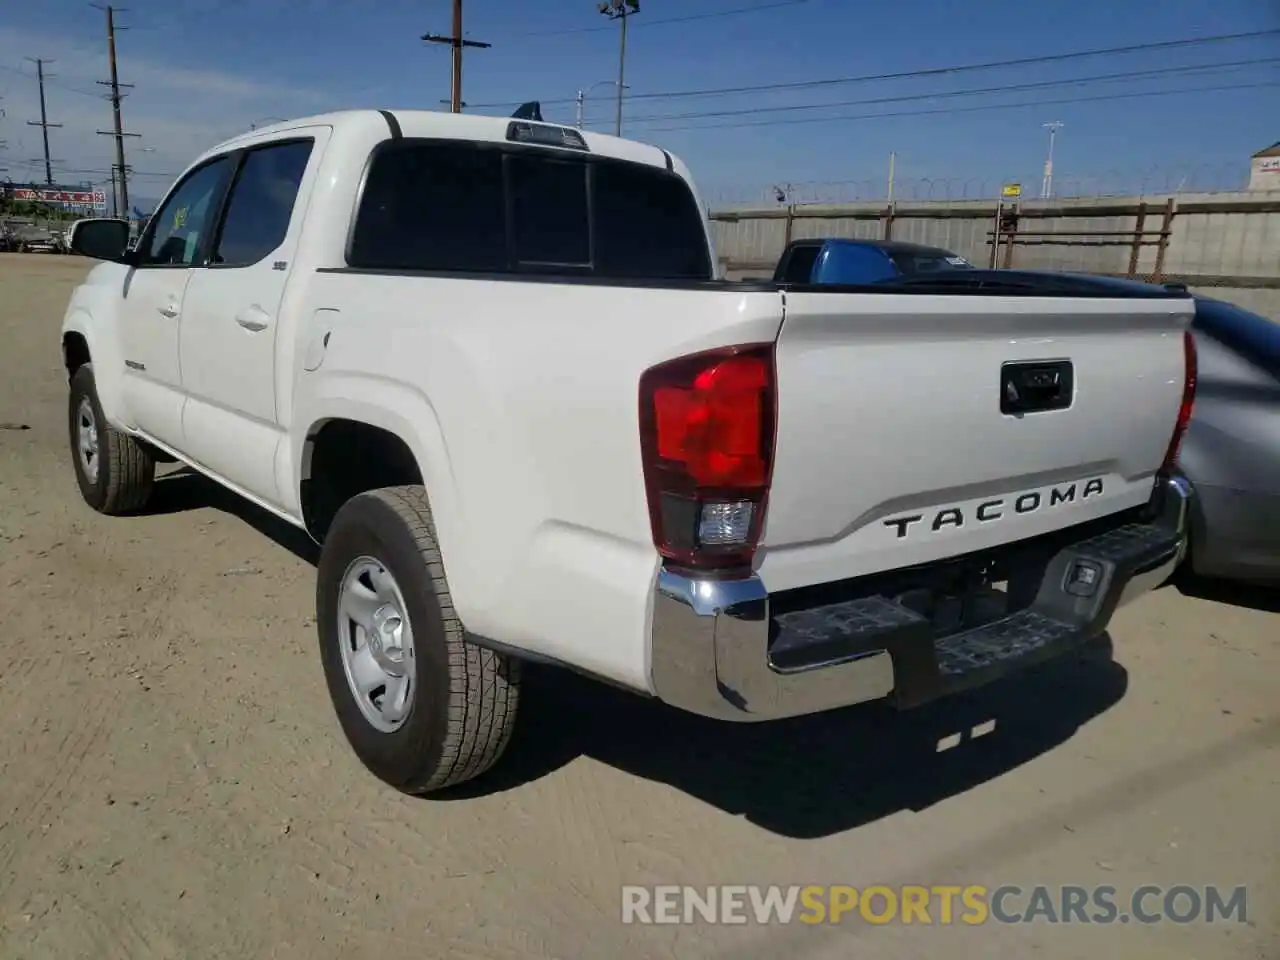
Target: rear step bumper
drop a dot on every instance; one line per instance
(717, 651)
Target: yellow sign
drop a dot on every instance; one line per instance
(1011, 191)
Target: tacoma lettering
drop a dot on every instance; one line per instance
(991, 510)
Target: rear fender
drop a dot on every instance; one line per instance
(408, 414)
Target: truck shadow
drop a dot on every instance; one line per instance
(183, 490)
(808, 777)
(812, 776)
(1251, 596)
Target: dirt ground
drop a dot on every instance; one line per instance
(173, 783)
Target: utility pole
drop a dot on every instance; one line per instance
(43, 123)
(457, 42)
(620, 10)
(118, 168)
(1046, 185)
(4, 145)
(581, 98)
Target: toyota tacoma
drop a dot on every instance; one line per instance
(488, 365)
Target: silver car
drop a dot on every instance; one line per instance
(1231, 453)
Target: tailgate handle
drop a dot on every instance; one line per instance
(1034, 386)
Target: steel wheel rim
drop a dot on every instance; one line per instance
(376, 643)
(87, 439)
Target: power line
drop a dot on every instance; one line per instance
(665, 21)
(43, 123)
(935, 71)
(970, 92)
(790, 121)
(50, 83)
(185, 17)
(77, 171)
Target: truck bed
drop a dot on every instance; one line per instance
(892, 448)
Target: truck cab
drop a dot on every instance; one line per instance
(846, 262)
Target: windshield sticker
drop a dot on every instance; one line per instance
(957, 261)
(180, 217)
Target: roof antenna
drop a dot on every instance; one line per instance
(529, 111)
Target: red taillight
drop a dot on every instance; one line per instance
(1188, 401)
(706, 435)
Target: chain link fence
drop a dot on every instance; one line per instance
(1172, 179)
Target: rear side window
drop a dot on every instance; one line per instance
(479, 208)
(914, 262)
(261, 203)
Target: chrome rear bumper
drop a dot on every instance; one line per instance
(712, 639)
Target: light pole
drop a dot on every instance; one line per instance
(1046, 186)
(582, 96)
(620, 10)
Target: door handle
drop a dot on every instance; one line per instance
(169, 310)
(253, 319)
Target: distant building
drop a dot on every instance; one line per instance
(1264, 171)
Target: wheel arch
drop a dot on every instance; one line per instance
(343, 457)
(84, 342)
(75, 351)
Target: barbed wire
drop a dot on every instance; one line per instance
(1170, 179)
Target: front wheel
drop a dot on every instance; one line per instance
(115, 472)
(422, 708)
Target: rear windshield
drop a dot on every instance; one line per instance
(797, 264)
(488, 208)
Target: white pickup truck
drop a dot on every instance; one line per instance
(487, 364)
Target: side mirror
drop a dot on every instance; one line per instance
(102, 239)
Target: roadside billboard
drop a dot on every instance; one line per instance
(62, 196)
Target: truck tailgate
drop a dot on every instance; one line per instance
(892, 445)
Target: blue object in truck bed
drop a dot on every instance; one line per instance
(856, 262)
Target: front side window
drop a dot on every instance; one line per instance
(480, 208)
(261, 203)
(186, 217)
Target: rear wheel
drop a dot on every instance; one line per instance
(422, 708)
(115, 471)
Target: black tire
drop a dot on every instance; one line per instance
(463, 699)
(126, 471)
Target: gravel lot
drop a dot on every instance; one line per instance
(174, 784)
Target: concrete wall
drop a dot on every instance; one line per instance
(1225, 245)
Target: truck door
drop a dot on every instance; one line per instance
(230, 330)
(154, 293)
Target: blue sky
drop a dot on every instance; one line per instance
(205, 70)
